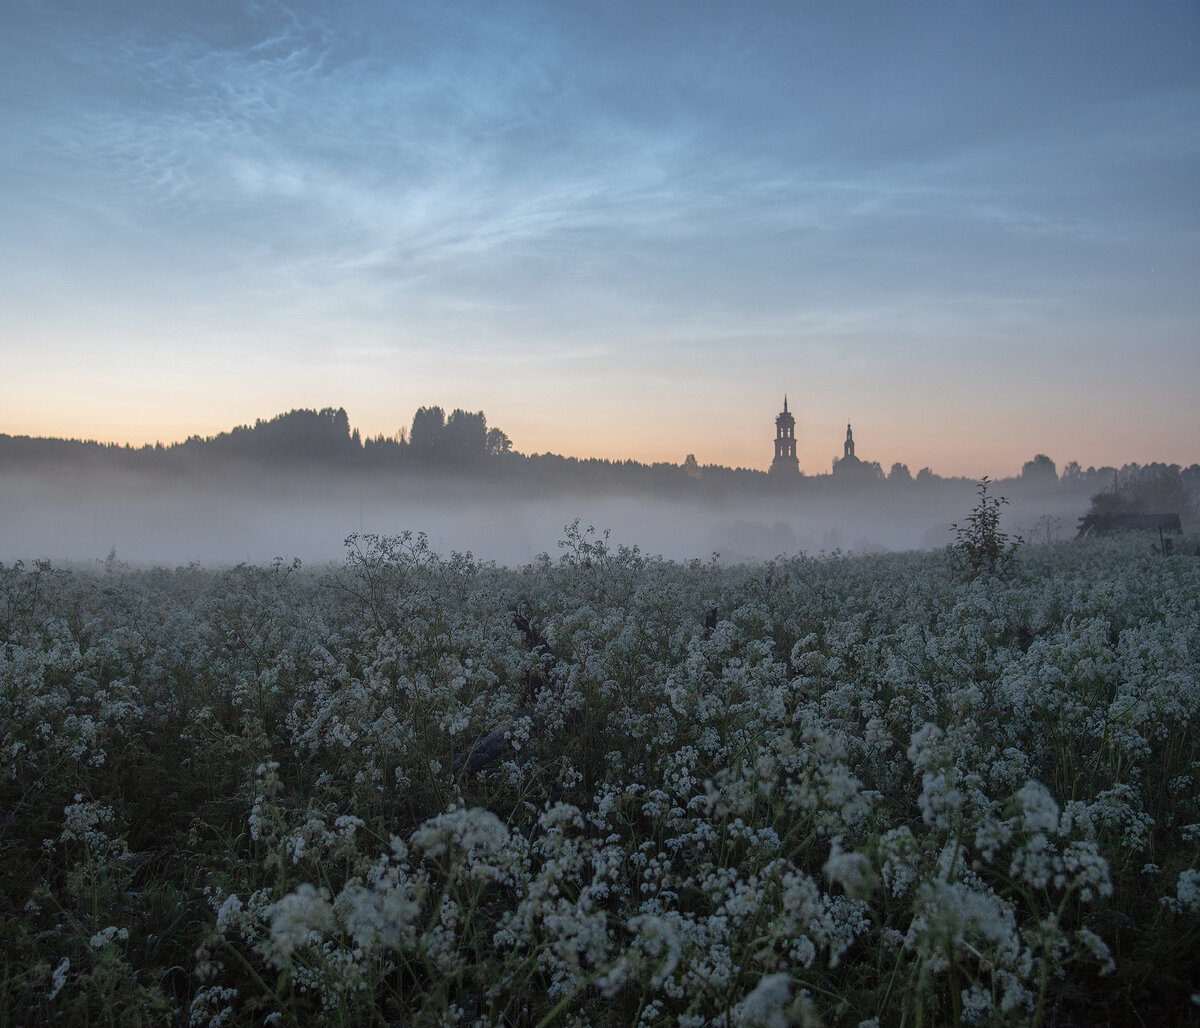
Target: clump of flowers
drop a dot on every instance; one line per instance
(818, 790)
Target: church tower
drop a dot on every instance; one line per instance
(851, 467)
(785, 463)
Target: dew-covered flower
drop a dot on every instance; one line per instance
(1187, 892)
(852, 871)
(59, 977)
(766, 1006)
(472, 830)
(1038, 808)
(108, 935)
(298, 918)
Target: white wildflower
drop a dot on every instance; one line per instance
(228, 911)
(1187, 892)
(348, 824)
(991, 835)
(766, 1006)
(378, 917)
(59, 978)
(1098, 948)
(212, 1006)
(938, 795)
(297, 917)
(923, 746)
(473, 830)
(852, 871)
(1039, 808)
(661, 939)
(105, 936)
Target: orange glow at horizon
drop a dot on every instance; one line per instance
(747, 440)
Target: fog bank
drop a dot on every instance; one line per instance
(82, 515)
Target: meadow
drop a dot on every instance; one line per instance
(604, 789)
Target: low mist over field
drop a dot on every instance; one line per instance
(84, 515)
(298, 484)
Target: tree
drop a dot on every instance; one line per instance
(1152, 489)
(1041, 469)
(497, 442)
(297, 435)
(900, 473)
(979, 546)
(1048, 527)
(425, 439)
(464, 440)
(340, 420)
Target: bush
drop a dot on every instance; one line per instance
(979, 547)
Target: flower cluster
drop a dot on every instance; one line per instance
(604, 789)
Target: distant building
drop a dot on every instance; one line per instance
(785, 464)
(850, 466)
(1111, 524)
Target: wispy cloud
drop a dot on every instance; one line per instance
(597, 182)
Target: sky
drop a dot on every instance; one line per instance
(620, 229)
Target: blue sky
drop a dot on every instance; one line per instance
(620, 229)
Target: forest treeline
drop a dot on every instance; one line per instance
(463, 444)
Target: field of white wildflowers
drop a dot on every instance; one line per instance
(603, 789)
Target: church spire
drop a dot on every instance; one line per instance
(785, 462)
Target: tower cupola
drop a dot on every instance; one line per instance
(785, 462)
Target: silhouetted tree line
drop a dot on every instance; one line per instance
(461, 440)
(1150, 489)
(462, 443)
(299, 435)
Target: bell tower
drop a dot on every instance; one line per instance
(785, 462)
(848, 453)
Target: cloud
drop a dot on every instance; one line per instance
(590, 185)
